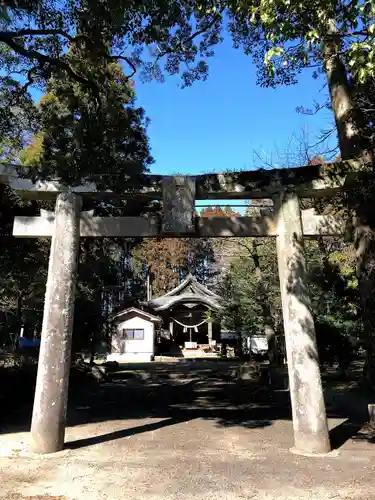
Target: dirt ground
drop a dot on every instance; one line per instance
(185, 433)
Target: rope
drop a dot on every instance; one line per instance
(189, 326)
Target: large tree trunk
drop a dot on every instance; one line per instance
(347, 116)
(349, 124)
(365, 253)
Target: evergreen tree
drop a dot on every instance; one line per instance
(100, 137)
(23, 271)
(78, 142)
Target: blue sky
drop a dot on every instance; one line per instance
(217, 124)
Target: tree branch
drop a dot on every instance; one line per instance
(128, 61)
(30, 79)
(32, 32)
(41, 58)
(9, 38)
(310, 112)
(202, 30)
(324, 136)
(355, 33)
(266, 163)
(194, 35)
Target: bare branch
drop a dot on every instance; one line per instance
(267, 163)
(203, 30)
(242, 244)
(317, 107)
(30, 79)
(324, 136)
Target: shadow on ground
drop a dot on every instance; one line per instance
(175, 393)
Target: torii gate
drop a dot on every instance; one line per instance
(286, 222)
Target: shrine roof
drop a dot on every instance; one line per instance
(137, 312)
(189, 291)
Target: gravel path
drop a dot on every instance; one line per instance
(187, 438)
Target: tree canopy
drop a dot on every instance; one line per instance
(83, 56)
(283, 38)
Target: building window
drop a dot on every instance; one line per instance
(138, 334)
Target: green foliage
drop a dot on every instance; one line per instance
(251, 289)
(335, 300)
(81, 126)
(84, 133)
(286, 36)
(282, 36)
(252, 294)
(75, 136)
(364, 98)
(35, 36)
(18, 118)
(100, 278)
(23, 270)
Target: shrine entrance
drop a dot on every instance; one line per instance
(188, 313)
(188, 327)
(285, 221)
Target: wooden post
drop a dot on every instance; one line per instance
(371, 413)
(309, 415)
(171, 329)
(209, 328)
(51, 393)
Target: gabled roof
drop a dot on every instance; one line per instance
(138, 312)
(188, 291)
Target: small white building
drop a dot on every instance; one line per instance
(134, 338)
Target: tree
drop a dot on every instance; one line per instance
(219, 212)
(286, 37)
(335, 300)
(251, 290)
(169, 260)
(18, 119)
(36, 34)
(202, 260)
(283, 37)
(72, 134)
(363, 95)
(75, 129)
(361, 200)
(100, 279)
(23, 270)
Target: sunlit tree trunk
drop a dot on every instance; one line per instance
(347, 116)
(349, 123)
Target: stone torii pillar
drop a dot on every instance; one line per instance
(51, 393)
(309, 415)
